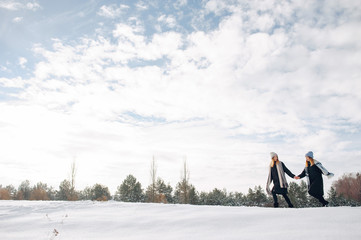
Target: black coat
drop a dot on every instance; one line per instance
(316, 182)
(276, 182)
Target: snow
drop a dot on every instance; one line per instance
(116, 220)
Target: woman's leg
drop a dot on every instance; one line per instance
(323, 201)
(319, 198)
(275, 200)
(287, 200)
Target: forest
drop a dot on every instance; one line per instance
(346, 191)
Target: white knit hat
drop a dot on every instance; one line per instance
(272, 154)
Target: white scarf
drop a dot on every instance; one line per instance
(281, 177)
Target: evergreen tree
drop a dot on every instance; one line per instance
(250, 197)
(185, 193)
(256, 197)
(86, 194)
(24, 191)
(64, 191)
(203, 198)
(100, 193)
(298, 194)
(313, 202)
(163, 192)
(334, 199)
(216, 197)
(193, 195)
(238, 199)
(130, 190)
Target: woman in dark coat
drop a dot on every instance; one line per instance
(276, 174)
(313, 171)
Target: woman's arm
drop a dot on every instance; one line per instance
(303, 174)
(286, 170)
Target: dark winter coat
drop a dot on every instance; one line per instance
(276, 182)
(315, 188)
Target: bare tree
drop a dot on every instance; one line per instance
(151, 190)
(349, 186)
(73, 196)
(183, 187)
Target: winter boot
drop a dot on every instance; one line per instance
(275, 205)
(325, 203)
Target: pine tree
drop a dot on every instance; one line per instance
(216, 197)
(334, 199)
(256, 197)
(100, 193)
(24, 191)
(86, 194)
(238, 199)
(130, 190)
(64, 191)
(203, 198)
(163, 192)
(250, 198)
(260, 196)
(298, 194)
(193, 195)
(185, 193)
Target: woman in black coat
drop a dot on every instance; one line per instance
(313, 171)
(277, 175)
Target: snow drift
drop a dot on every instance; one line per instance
(117, 220)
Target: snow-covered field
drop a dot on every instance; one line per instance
(32, 220)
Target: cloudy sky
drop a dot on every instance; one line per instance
(220, 83)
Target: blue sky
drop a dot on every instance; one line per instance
(110, 84)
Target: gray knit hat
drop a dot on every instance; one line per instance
(272, 154)
(309, 154)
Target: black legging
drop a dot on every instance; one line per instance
(275, 199)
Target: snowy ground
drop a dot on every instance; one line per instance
(114, 220)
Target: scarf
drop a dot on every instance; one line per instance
(281, 177)
(323, 170)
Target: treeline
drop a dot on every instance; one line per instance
(346, 191)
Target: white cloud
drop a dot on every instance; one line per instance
(218, 6)
(112, 11)
(141, 6)
(33, 6)
(169, 21)
(10, 5)
(22, 62)
(16, 5)
(12, 82)
(264, 79)
(238, 63)
(17, 19)
(3, 68)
